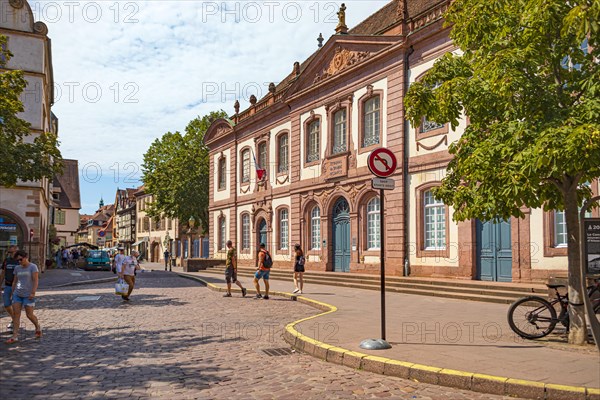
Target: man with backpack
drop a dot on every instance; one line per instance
(265, 262)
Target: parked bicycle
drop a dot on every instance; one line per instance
(534, 317)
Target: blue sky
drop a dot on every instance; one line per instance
(126, 72)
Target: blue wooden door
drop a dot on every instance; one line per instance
(262, 233)
(341, 236)
(494, 251)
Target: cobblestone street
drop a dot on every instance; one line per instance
(176, 339)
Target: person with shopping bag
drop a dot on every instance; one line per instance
(130, 265)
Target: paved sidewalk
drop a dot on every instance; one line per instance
(57, 277)
(444, 333)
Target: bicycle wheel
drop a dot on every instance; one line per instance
(532, 317)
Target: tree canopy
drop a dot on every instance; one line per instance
(24, 156)
(176, 171)
(527, 79)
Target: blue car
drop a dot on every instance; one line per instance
(97, 260)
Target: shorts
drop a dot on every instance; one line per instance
(298, 268)
(6, 296)
(23, 300)
(230, 275)
(262, 274)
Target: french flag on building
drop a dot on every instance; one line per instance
(261, 173)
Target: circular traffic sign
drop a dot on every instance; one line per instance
(101, 233)
(382, 162)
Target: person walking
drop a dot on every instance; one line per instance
(299, 269)
(265, 262)
(118, 261)
(25, 283)
(7, 276)
(231, 270)
(167, 264)
(130, 264)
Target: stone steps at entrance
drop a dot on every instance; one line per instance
(470, 290)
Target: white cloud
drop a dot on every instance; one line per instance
(152, 70)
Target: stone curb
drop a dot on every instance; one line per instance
(417, 372)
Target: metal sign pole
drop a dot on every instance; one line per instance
(382, 163)
(382, 258)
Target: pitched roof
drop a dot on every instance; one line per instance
(67, 184)
(389, 15)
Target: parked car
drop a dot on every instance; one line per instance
(97, 260)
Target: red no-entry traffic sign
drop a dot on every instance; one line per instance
(382, 162)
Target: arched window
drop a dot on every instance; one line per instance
(263, 160)
(339, 132)
(434, 222)
(283, 151)
(245, 166)
(371, 121)
(222, 233)
(313, 139)
(283, 229)
(245, 232)
(315, 228)
(373, 226)
(222, 173)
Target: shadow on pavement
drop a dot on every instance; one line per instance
(108, 363)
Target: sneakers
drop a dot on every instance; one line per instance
(296, 291)
(227, 295)
(244, 291)
(266, 297)
(258, 296)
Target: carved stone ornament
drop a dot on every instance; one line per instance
(221, 214)
(272, 88)
(369, 90)
(40, 28)
(352, 159)
(17, 3)
(296, 68)
(342, 59)
(253, 99)
(236, 106)
(222, 130)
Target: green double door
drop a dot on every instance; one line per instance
(494, 251)
(341, 236)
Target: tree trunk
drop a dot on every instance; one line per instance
(577, 327)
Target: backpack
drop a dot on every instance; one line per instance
(268, 261)
(302, 260)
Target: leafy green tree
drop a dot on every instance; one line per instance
(23, 156)
(529, 82)
(176, 172)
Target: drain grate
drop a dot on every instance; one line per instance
(283, 351)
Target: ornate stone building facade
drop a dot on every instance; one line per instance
(312, 135)
(25, 210)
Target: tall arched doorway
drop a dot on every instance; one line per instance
(155, 253)
(341, 235)
(262, 232)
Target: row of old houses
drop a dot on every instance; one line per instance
(125, 223)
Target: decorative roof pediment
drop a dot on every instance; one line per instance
(341, 53)
(219, 128)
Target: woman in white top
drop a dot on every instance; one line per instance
(130, 264)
